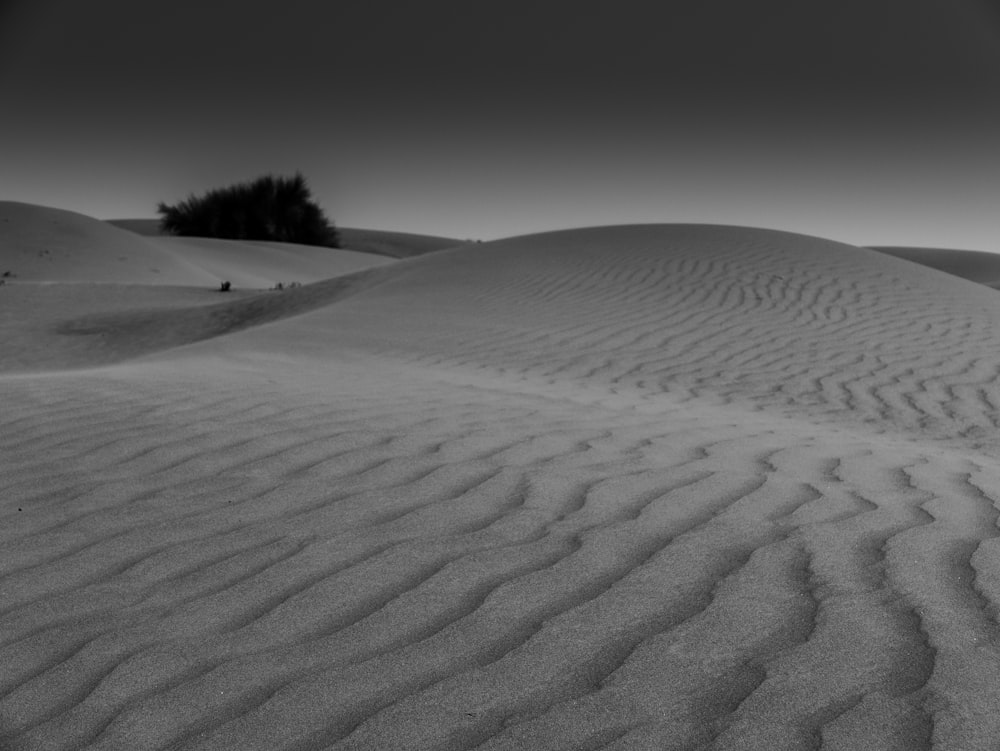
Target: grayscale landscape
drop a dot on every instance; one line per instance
(586, 433)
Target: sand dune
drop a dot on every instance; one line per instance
(262, 265)
(69, 277)
(771, 320)
(38, 243)
(395, 244)
(381, 242)
(646, 487)
(975, 265)
(41, 244)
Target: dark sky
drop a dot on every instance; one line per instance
(868, 121)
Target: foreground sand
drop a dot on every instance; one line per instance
(664, 487)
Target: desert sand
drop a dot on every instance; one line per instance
(641, 487)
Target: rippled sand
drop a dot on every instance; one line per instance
(646, 487)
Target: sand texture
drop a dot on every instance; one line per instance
(646, 487)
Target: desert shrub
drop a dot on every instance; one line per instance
(268, 208)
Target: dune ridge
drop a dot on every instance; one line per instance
(380, 242)
(976, 265)
(671, 487)
(42, 244)
(777, 320)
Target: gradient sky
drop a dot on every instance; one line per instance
(867, 121)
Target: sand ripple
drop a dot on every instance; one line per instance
(731, 496)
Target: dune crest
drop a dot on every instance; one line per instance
(644, 487)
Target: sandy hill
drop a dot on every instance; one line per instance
(60, 266)
(975, 265)
(261, 265)
(38, 243)
(395, 244)
(643, 487)
(716, 312)
(380, 242)
(144, 227)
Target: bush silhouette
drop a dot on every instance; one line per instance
(268, 208)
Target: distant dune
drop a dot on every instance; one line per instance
(380, 242)
(40, 244)
(638, 487)
(145, 227)
(975, 265)
(64, 268)
(395, 244)
(763, 316)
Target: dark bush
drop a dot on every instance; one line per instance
(268, 208)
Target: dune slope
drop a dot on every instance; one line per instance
(42, 244)
(380, 242)
(38, 243)
(67, 277)
(658, 487)
(769, 319)
(395, 244)
(975, 265)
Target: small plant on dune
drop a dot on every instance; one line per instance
(268, 208)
